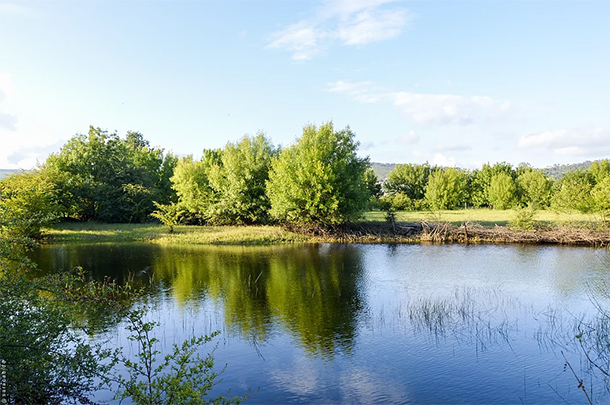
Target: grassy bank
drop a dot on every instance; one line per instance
(485, 217)
(91, 232)
(463, 226)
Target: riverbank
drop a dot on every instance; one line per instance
(92, 232)
(362, 232)
(446, 232)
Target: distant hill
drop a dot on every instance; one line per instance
(382, 169)
(558, 171)
(7, 172)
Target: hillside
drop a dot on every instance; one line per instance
(7, 172)
(556, 171)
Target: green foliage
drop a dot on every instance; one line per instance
(28, 202)
(239, 182)
(480, 182)
(535, 188)
(573, 192)
(409, 180)
(319, 180)
(446, 188)
(372, 183)
(102, 177)
(501, 193)
(600, 199)
(182, 377)
(48, 358)
(46, 353)
(192, 185)
(227, 186)
(168, 214)
(523, 218)
(600, 170)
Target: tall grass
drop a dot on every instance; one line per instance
(484, 216)
(92, 232)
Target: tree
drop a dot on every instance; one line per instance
(28, 202)
(535, 188)
(573, 192)
(238, 182)
(409, 179)
(192, 185)
(445, 189)
(319, 180)
(600, 170)
(600, 196)
(502, 191)
(480, 181)
(105, 178)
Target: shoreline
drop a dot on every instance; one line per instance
(470, 233)
(360, 232)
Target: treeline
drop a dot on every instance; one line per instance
(499, 186)
(320, 180)
(103, 177)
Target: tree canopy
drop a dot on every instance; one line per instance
(320, 179)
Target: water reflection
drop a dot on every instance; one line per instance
(416, 323)
(312, 291)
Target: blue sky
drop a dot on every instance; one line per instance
(457, 83)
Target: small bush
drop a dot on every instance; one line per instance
(523, 219)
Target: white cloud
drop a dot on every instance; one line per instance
(427, 109)
(342, 22)
(571, 142)
(364, 92)
(448, 109)
(372, 26)
(442, 160)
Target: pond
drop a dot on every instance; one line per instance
(333, 323)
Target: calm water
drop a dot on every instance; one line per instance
(374, 323)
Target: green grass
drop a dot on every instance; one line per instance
(484, 217)
(92, 232)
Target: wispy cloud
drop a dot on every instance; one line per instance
(448, 109)
(440, 159)
(29, 155)
(364, 92)
(571, 142)
(341, 22)
(427, 109)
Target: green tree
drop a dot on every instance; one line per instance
(409, 179)
(238, 182)
(600, 196)
(535, 188)
(192, 185)
(319, 180)
(600, 170)
(446, 188)
(28, 202)
(480, 181)
(102, 177)
(502, 191)
(573, 192)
